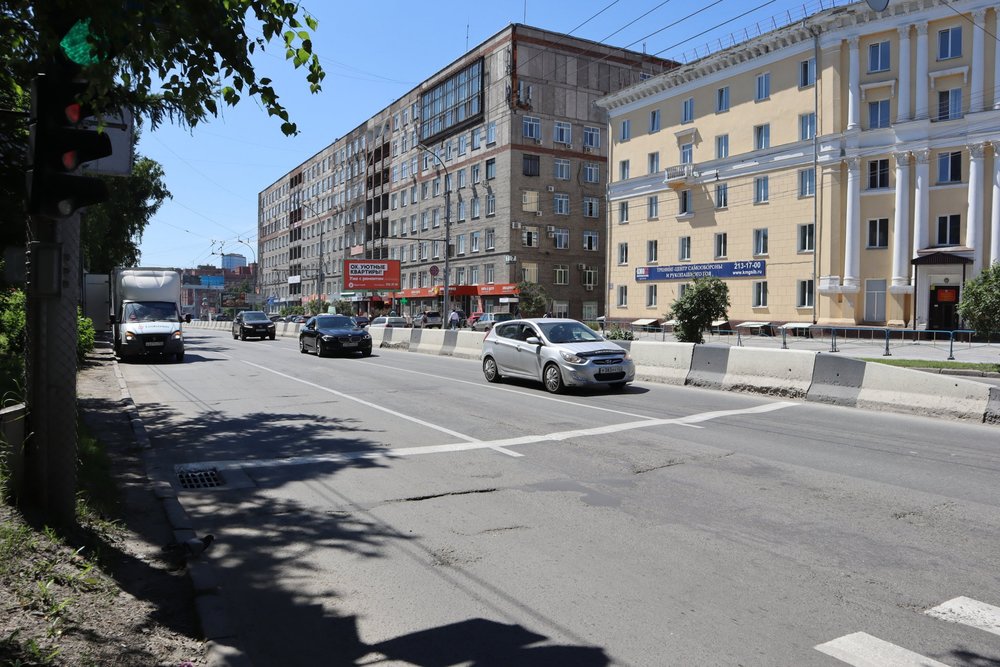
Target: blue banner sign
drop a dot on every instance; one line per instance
(750, 269)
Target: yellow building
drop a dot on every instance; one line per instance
(832, 171)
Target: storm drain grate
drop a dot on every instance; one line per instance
(200, 479)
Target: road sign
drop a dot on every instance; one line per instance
(434, 270)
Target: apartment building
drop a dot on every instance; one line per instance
(499, 157)
(835, 170)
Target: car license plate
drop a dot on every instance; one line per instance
(154, 343)
(609, 370)
(349, 344)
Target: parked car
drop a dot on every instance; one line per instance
(362, 320)
(473, 317)
(388, 322)
(430, 319)
(295, 319)
(559, 353)
(486, 321)
(331, 334)
(252, 324)
(223, 318)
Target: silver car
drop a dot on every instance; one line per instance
(559, 353)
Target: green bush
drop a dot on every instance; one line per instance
(707, 299)
(85, 336)
(12, 321)
(980, 306)
(617, 333)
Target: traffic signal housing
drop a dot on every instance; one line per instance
(58, 144)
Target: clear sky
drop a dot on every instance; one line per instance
(373, 53)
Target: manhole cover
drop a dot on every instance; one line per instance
(200, 479)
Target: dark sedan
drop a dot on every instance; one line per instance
(334, 334)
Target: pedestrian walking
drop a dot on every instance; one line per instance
(453, 319)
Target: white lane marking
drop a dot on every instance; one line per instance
(863, 650)
(382, 408)
(969, 612)
(498, 445)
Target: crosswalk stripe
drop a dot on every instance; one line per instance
(863, 650)
(969, 612)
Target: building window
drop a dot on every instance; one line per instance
(622, 254)
(491, 204)
(489, 274)
(807, 182)
(592, 137)
(721, 195)
(529, 201)
(760, 241)
(687, 153)
(722, 99)
(623, 212)
(684, 202)
(878, 174)
(474, 241)
(591, 207)
(591, 172)
(476, 172)
(560, 238)
(623, 170)
(529, 272)
(763, 86)
(950, 43)
(760, 294)
(878, 57)
(804, 294)
(561, 169)
(807, 72)
(476, 207)
(807, 126)
(875, 300)
(477, 138)
(461, 210)
(463, 144)
(560, 274)
(687, 110)
(654, 121)
(806, 237)
(491, 132)
(878, 233)
(684, 248)
(563, 133)
(878, 114)
(762, 136)
(650, 296)
(590, 277)
(760, 187)
(532, 165)
(531, 128)
(491, 169)
(950, 167)
(721, 245)
(722, 146)
(653, 161)
(626, 130)
(530, 237)
(622, 296)
(652, 207)
(652, 251)
(949, 228)
(491, 237)
(950, 104)
(591, 241)
(560, 204)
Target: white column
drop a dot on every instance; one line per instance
(852, 236)
(901, 224)
(977, 100)
(974, 224)
(996, 67)
(854, 85)
(921, 201)
(995, 207)
(903, 96)
(922, 81)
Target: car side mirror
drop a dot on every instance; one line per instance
(532, 340)
(187, 318)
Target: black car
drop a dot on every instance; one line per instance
(334, 334)
(253, 324)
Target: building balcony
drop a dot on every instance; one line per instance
(680, 175)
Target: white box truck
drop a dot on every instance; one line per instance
(145, 313)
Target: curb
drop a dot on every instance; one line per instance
(221, 641)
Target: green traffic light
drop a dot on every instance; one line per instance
(77, 47)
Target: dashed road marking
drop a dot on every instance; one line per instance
(863, 650)
(969, 612)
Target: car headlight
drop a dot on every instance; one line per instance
(328, 338)
(572, 358)
(178, 335)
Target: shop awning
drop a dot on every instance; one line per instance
(645, 322)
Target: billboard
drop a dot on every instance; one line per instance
(750, 269)
(371, 274)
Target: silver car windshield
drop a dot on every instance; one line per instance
(568, 332)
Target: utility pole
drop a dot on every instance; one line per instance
(447, 226)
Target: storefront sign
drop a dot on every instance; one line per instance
(374, 274)
(750, 269)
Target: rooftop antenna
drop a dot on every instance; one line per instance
(466, 36)
(524, 19)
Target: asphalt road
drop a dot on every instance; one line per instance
(401, 510)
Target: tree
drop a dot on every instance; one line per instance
(532, 299)
(980, 304)
(707, 299)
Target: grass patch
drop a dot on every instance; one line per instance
(11, 379)
(930, 363)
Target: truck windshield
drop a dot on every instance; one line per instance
(150, 311)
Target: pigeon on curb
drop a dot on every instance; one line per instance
(192, 548)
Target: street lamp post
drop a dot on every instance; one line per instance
(256, 268)
(447, 226)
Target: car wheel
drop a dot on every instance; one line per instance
(617, 386)
(552, 378)
(243, 335)
(235, 336)
(271, 336)
(491, 370)
(179, 357)
(302, 345)
(320, 352)
(367, 352)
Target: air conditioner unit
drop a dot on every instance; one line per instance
(550, 228)
(587, 149)
(538, 213)
(589, 288)
(581, 267)
(515, 224)
(538, 141)
(550, 188)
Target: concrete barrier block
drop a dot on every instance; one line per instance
(836, 380)
(378, 334)
(911, 391)
(469, 344)
(992, 415)
(395, 339)
(669, 363)
(427, 341)
(786, 373)
(709, 364)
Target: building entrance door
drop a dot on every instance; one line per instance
(943, 308)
